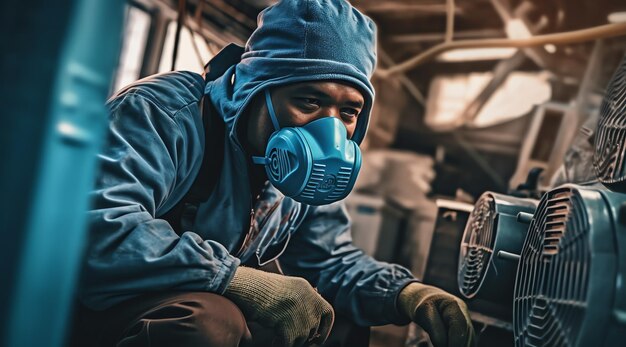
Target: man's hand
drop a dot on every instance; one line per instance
(444, 316)
(289, 306)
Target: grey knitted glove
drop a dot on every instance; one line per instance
(289, 305)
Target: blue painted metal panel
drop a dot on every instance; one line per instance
(49, 262)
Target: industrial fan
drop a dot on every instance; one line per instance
(570, 288)
(492, 241)
(609, 159)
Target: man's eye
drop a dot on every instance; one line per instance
(349, 112)
(310, 101)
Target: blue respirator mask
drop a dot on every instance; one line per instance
(315, 164)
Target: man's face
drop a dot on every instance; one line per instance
(300, 103)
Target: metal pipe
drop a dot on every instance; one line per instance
(421, 9)
(576, 36)
(429, 37)
(449, 20)
(524, 217)
(403, 79)
(508, 256)
(179, 25)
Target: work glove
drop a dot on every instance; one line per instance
(289, 306)
(442, 315)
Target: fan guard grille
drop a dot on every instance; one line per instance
(477, 245)
(553, 274)
(610, 152)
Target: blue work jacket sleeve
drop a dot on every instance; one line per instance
(357, 285)
(146, 165)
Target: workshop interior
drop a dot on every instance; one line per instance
(494, 165)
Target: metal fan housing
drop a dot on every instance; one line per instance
(492, 239)
(570, 288)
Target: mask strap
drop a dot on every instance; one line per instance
(270, 108)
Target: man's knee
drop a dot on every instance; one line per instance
(202, 319)
(218, 318)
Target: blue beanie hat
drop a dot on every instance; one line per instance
(306, 40)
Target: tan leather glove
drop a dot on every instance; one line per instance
(289, 305)
(442, 315)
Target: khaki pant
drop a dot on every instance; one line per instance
(172, 319)
(185, 319)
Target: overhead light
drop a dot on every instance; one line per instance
(550, 48)
(473, 54)
(617, 17)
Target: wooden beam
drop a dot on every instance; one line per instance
(232, 12)
(385, 7)
(434, 37)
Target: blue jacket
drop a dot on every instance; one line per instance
(155, 145)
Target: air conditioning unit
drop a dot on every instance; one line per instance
(490, 247)
(570, 287)
(609, 159)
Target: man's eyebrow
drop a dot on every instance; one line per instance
(306, 89)
(355, 104)
(310, 90)
(313, 91)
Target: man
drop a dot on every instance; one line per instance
(166, 268)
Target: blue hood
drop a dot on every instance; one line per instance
(295, 41)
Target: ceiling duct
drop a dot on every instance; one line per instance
(569, 288)
(490, 247)
(609, 159)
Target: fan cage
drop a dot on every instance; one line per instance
(610, 150)
(553, 274)
(477, 245)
